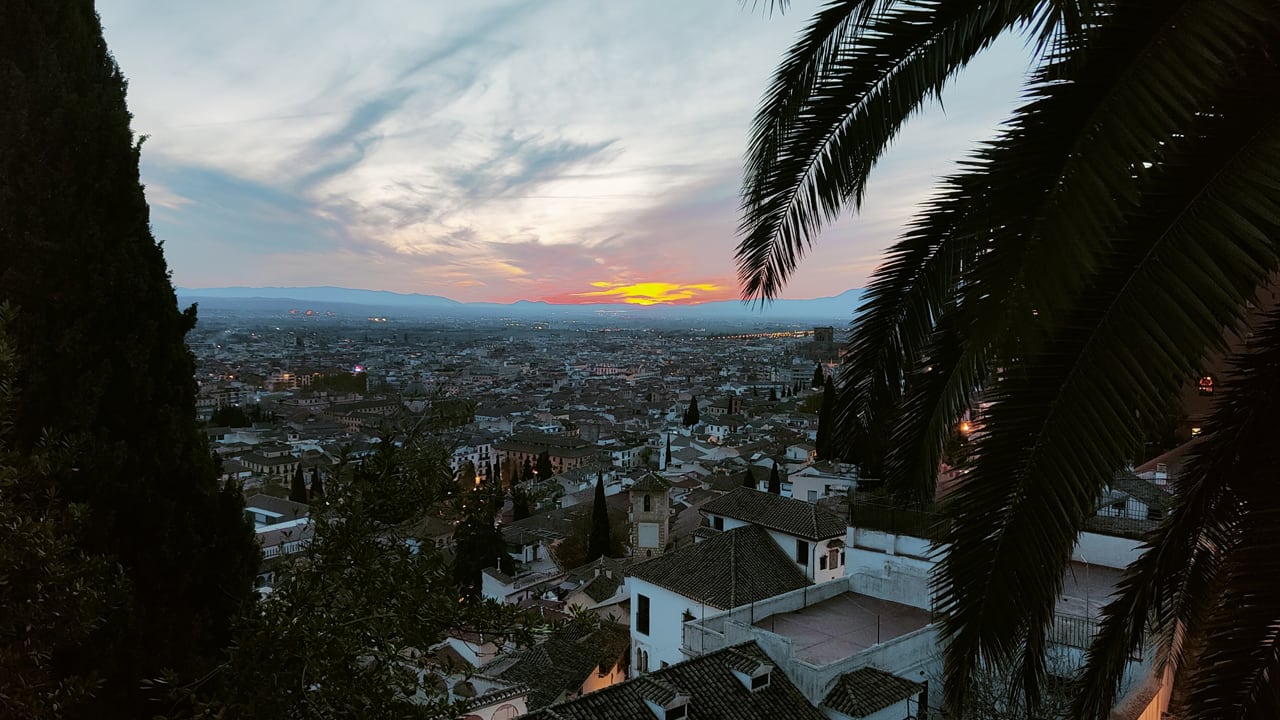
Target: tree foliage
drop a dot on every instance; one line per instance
(692, 416)
(317, 487)
(826, 421)
(543, 468)
(1074, 273)
(598, 544)
(232, 416)
(775, 480)
(105, 362)
(298, 487)
(54, 593)
(345, 629)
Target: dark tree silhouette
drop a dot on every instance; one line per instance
(545, 471)
(105, 364)
(317, 486)
(598, 544)
(298, 488)
(1077, 271)
(775, 480)
(826, 421)
(692, 416)
(519, 504)
(818, 377)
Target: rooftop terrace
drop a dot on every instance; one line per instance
(843, 625)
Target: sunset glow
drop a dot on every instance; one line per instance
(651, 293)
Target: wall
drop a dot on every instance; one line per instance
(1106, 550)
(912, 656)
(595, 681)
(664, 639)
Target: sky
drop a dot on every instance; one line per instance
(561, 150)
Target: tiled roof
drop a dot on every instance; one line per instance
(714, 693)
(736, 567)
(564, 661)
(650, 483)
(868, 690)
(1148, 493)
(287, 509)
(788, 515)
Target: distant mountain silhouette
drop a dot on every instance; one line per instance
(835, 310)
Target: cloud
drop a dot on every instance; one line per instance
(486, 150)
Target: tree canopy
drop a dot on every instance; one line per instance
(1073, 274)
(692, 416)
(103, 362)
(598, 544)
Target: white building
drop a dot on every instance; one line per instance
(812, 536)
(728, 570)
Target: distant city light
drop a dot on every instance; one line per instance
(357, 370)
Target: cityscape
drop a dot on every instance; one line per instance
(839, 360)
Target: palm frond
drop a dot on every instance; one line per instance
(837, 102)
(1048, 159)
(1179, 271)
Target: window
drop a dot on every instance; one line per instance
(832, 559)
(647, 535)
(822, 563)
(802, 552)
(717, 522)
(812, 496)
(642, 615)
(679, 712)
(1206, 385)
(760, 681)
(648, 504)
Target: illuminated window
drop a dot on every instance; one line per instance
(1195, 431)
(1206, 385)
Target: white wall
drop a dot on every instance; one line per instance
(802, 483)
(666, 610)
(1106, 550)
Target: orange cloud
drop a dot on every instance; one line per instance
(652, 293)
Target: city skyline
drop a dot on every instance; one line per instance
(494, 153)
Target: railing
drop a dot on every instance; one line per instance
(1072, 631)
(1120, 526)
(875, 514)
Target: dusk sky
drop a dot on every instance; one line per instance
(569, 151)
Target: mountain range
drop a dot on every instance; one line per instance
(270, 300)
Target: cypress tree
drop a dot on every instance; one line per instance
(528, 471)
(692, 416)
(545, 471)
(773, 394)
(106, 364)
(749, 479)
(317, 486)
(298, 489)
(818, 377)
(775, 480)
(519, 504)
(598, 543)
(826, 419)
